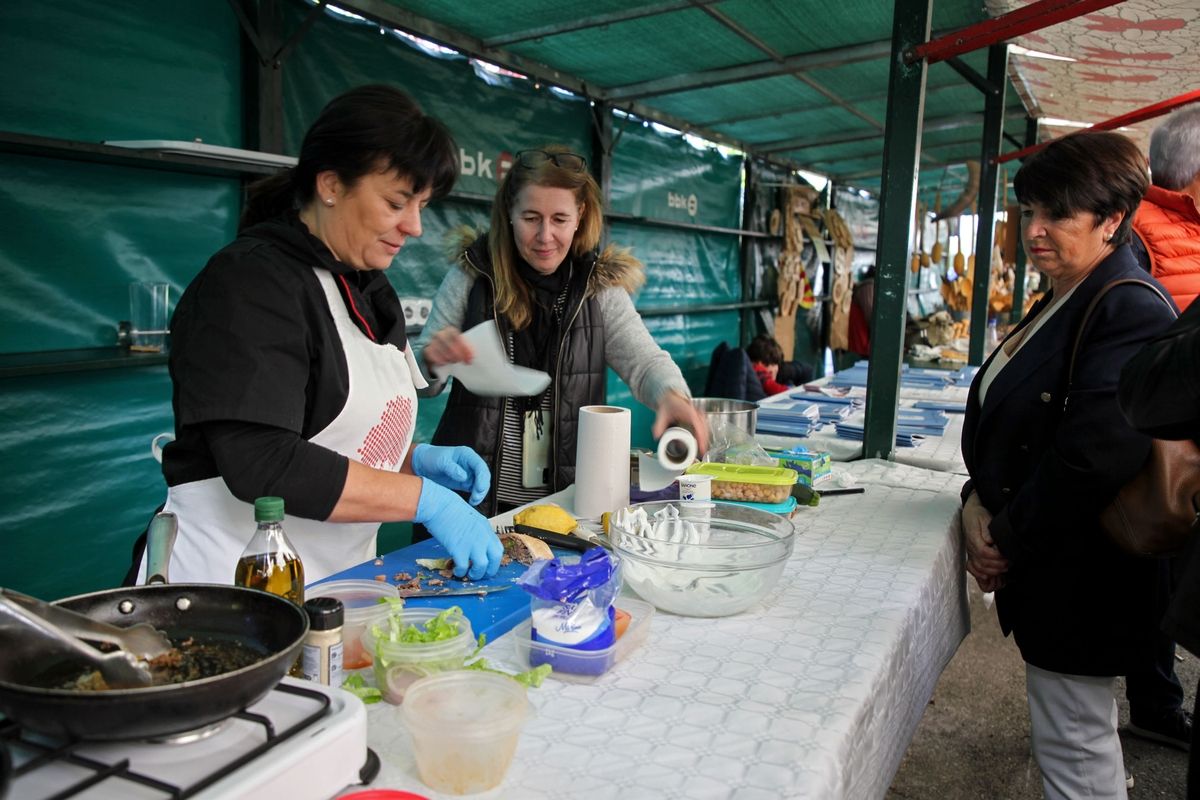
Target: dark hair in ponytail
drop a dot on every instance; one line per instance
(367, 129)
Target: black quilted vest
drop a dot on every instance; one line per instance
(579, 379)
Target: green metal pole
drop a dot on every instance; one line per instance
(1018, 308)
(747, 251)
(602, 147)
(898, 183)
(989, 172)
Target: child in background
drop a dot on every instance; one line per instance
(766, 354)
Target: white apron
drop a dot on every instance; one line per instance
(375, 428)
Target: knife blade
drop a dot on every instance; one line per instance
(446, 591)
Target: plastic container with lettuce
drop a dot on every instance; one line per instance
(416, 642)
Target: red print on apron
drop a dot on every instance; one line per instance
(385, 444)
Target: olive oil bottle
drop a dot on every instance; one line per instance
(269, 561)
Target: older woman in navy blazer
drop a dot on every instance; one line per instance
(1044, 461)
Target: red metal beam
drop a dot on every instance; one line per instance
(1033, 17)
(1149, 112)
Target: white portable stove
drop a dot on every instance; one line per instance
(302, 740)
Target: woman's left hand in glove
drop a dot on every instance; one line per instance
(458, 468)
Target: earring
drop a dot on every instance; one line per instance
(328, 201)
(1108, 237)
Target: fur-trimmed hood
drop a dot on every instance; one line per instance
(615, 266)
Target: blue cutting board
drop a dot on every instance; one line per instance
(492, 614)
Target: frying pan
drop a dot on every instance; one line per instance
(267, 623)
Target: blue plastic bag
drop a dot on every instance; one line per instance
(572, 609)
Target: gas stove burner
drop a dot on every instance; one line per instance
(302, 741)
(187, 737)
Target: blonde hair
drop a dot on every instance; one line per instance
(513, 297)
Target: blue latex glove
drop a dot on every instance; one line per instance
(458, 468)
(462, 530)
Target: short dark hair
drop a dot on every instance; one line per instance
(366, 129)
(1098, 172)
(763, 349)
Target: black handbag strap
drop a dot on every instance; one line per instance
(1087, 315)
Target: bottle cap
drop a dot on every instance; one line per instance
(324, 613)
(268, 509)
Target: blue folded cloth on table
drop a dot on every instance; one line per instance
(914, 378)
(789, 419)
(854, 432)
(940, 405)
(912, 426)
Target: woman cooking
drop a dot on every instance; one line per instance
(562, 307)
(292, 374)
(1047, 448)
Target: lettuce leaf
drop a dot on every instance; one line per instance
(356, 686)
(531, 678)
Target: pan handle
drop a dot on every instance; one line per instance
(160, 541)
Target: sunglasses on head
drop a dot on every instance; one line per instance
(531, 159)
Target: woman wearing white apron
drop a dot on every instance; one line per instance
(292, 373)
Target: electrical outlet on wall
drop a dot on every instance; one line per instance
(416, 311)
(423, 309)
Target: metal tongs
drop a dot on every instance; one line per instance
(121, 669)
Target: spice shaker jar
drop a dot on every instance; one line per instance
(321, 655)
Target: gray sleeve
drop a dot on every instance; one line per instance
(449, 310)
(632, 352)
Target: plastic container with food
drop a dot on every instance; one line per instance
(365, 605)
(464, 726)
(741, 482)
(414, 643)
(585, 666)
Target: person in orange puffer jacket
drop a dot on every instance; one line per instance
(1167, 223)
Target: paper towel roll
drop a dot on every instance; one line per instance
(676, 451)
(602, 460)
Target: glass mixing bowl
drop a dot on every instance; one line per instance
(716, 559)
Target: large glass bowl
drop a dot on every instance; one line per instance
(740, 555)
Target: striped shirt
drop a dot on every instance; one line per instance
(510, 486)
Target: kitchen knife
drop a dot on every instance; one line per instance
(554, 539)
(446, 591)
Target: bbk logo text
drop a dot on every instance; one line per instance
(688, 203)
(475, 164)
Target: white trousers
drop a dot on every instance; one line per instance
(1073, 721)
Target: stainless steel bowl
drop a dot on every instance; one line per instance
(731, 557)
(719, 412)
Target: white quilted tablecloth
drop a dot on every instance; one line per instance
(942, 453)
(814, 693)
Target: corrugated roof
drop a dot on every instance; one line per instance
(806, 83)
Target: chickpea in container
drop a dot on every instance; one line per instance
(748, 484)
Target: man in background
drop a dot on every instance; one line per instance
(1167, 223)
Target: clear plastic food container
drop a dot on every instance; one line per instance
(583, 666)
(752, 484)
(464, 726)
(398, 665)
(364, 607)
